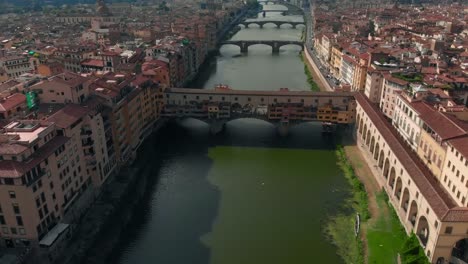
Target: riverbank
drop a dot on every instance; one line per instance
(344, 229)
(320, 85)
(105, 219)
(383, 237)
(310, 78)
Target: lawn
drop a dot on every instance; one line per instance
(385, 235)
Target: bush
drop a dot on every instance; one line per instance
(313, 85)
(412, 252)
(360, 199)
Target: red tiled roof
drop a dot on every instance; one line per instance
(12, 148)
(12, 101)
(429, 187)
(458, 214)
(461, 145)
(68, 115)
(15, 169)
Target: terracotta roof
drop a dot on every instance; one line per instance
(429, 187)
(12, 101)
(12, 148)
(458, 214)
(15, 169)
(93, 63)
(68, 115)
(461, 145)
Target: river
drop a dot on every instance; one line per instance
(246, 195)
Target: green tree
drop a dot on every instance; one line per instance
(371, 29)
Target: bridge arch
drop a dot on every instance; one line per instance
(459, 250)
(232, 44)
(292, 43)
(413, 212)
(423, 230)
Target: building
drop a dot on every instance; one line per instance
(422, 204)
(13, 106)
(89, 124)
(130, 107)
(14, 66)
(64, 88)
(374, 84)
(42, 176)
(391, 87)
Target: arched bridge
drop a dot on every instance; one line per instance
(278, 23)
(284, 12)
(283, 107)
(272, 2)
(274, 44)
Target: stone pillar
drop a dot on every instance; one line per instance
(217, 126)
(275, 47)
(283, 129)
(244, 47)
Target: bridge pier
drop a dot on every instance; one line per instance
(244, 49)
(217, 126)
(283, 129)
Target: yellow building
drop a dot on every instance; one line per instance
(359, 76)
(329, 113)
(335, 60)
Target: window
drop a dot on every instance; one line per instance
(22, 231)
(16, 208)
(13, 230)
(2, 220)
(12, 194)
(448, 230)
(19, 220)
(5, 230)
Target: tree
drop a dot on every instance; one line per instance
(371, 29)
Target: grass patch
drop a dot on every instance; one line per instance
(409, 77)
(310, 80)
(359, 200)
(341, 228)
(385, 235)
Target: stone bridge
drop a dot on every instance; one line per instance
(282, 108)
(292, 9)
(278, 23)
(272, 2)
(274, 44)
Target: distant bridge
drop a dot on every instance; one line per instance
(278, 23)
(283, 107)
(292, 9)
(273, 2)
(274, 44)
